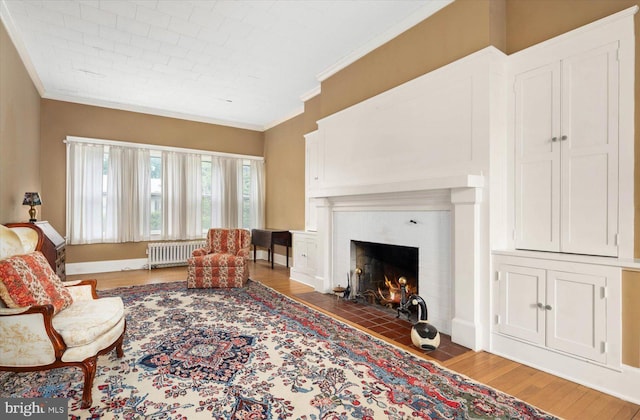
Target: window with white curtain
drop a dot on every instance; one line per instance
(129, 192)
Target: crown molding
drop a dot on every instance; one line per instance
(310, 94)
(12, 30)
(151, 111)
(292, 114)
(409, 22)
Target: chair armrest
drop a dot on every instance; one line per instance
(23, 329)
(82, 289)
(198, 252)
(245, 252)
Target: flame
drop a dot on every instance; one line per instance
(394, 295)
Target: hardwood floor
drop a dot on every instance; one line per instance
(553, 394)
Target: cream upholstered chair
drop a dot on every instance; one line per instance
(46, 324)
(223, 262)
(19, 238)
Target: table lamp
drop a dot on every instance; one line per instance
(32, 199)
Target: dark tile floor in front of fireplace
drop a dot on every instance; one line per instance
(381, 321)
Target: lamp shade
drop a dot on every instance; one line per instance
(31, 199)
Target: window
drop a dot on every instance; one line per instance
(155, 193)
(155, 220)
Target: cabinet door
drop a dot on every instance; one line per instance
(520, 297)
(312, 180)
(311, 255)
(576, 314)
(300, 253)
(311, 214)
(589, 189)
(537, 160)
(312, 160)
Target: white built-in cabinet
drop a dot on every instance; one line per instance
(560, 306)
(570, 148)
(305, 242)
(566, 153)
(312, 179)
(304, 257)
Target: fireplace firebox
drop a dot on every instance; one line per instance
(376, 270)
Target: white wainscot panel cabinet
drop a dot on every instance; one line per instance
(312, 179)
(304, 258)
(566, 154)
(563, 309)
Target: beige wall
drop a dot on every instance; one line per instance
(61, 119)
(312, 113)
(456, 31)
(631, 318)
(284, 156)
(19, 134)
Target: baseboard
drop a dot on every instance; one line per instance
(466, 333)
(621, 382)
(106, 266)
(278, 258)
(302, 277)
(138, 264)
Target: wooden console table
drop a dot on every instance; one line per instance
(267, 238)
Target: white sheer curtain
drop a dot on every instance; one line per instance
(128, 189)
(231, 194)
(216, 192)
(84, 193)
(113, 202)
(257, 194)
(181, 196)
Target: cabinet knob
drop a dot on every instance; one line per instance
(540, 305)
(547, 307)
(554, 139)
(563, 138)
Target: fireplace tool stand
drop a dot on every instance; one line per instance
(403, 308)
(358, 295)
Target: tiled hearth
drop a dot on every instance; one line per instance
(380, 321)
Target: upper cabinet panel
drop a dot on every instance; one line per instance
(569, 104)
(537, 158)
(590, 152)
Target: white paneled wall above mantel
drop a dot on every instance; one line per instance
(434, 126)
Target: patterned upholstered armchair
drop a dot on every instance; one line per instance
(223, 262)
(47, 324)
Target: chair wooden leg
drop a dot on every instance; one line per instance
(119, 351)
(89, 368)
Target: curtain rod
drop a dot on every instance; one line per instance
(73, 139)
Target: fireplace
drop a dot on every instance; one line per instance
(377, 268)
(425, 235)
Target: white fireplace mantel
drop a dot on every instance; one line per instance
(420, 185)
(453, 194)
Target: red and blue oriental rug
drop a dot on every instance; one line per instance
(253, 353)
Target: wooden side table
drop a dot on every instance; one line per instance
(267, 238)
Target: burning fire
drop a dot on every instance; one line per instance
(394, 292)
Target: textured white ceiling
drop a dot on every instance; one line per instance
(240, 63)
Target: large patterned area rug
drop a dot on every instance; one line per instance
(253, 353)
